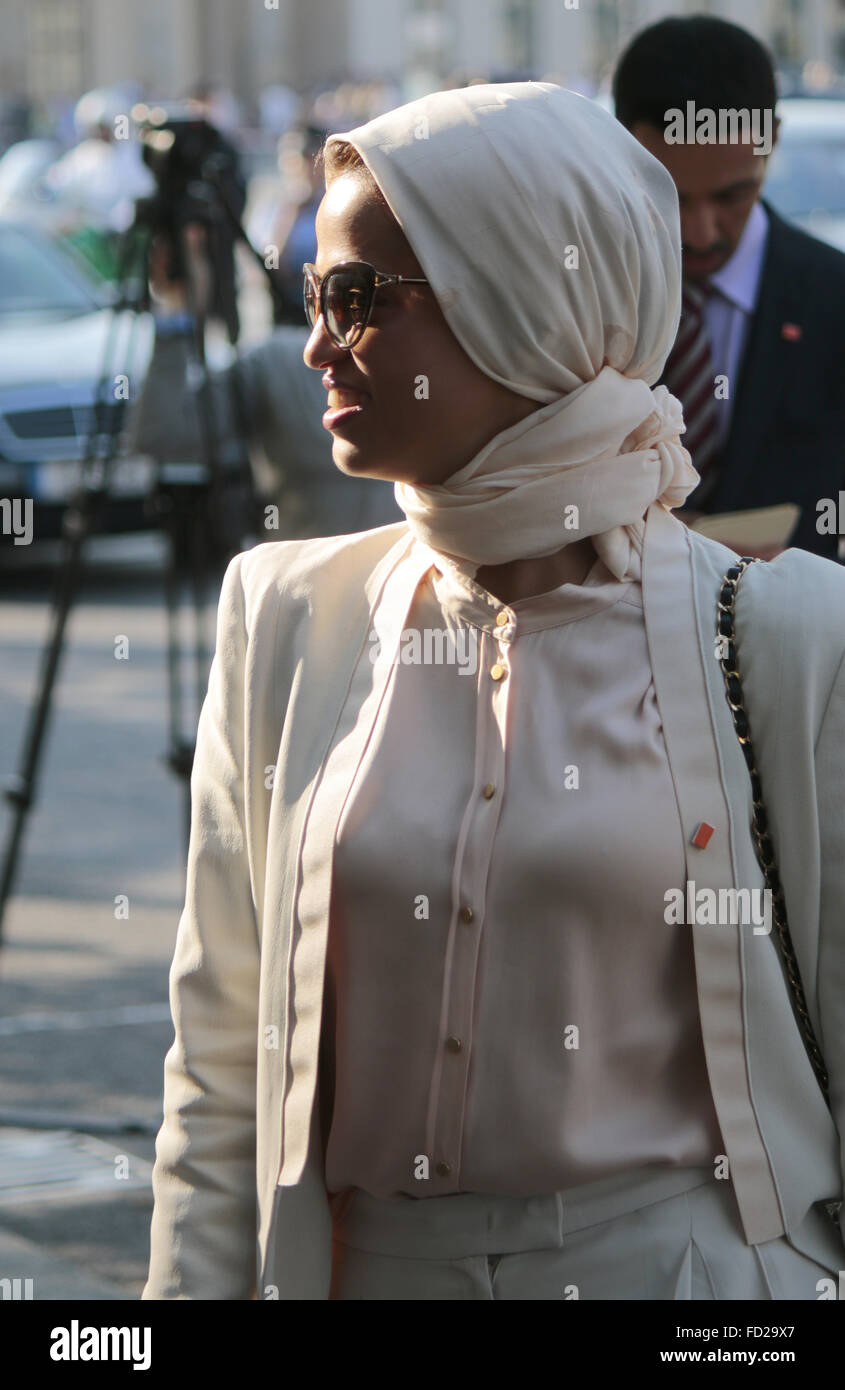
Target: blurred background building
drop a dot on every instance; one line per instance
(53, 50)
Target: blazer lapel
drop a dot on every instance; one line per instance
(678, 649)
(308, 937)
(314, 669)
(763, 373)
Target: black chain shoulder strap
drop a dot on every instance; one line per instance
(763, 846)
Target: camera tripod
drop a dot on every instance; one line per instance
(186, 499)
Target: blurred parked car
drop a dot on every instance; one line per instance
(54, 323)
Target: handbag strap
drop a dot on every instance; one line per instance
(759, 825)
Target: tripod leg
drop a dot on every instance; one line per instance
(20, 792)
(198, 559)
(173, 521)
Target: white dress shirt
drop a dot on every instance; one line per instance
(728, 313)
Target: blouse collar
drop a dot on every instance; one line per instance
(463, 598)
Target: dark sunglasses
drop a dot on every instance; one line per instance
(344, 296)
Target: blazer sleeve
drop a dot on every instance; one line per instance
(204, 1222)
(830, 774)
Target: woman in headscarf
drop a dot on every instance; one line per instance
(454, 777)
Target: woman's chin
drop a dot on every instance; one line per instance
(349, 457)
(360, 462)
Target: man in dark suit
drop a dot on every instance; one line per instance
(759, 360)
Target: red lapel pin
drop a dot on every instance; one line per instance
(702, 835)
(791, 331)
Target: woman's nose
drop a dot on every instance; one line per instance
(321, 350)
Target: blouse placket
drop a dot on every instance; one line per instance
(471, 871)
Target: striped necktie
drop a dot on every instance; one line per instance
(689, 375)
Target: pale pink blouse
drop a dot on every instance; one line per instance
(506, 1009)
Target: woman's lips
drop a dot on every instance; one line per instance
(343, 404)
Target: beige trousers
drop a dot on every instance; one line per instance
(654, 1234)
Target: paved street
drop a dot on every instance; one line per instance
(84, 1022)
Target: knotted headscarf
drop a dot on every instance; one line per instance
(551, 239)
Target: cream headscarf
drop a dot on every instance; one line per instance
(551, 239)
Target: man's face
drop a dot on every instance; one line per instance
(717, 185)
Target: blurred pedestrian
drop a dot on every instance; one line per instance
(291, 237)
(103, 174)
(98, 181)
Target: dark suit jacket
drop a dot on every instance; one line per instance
(787, 434)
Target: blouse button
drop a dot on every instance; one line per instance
(501, 618)
(466, 914)
(489, 790)
(453, 1044)
(444, 1169)
(498, 671)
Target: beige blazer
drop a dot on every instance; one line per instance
(241, 1209)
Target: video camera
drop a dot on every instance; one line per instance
(198, 180)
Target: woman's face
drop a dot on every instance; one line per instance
(427, 409)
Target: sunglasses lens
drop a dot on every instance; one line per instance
(348, 296)
(311, 301)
